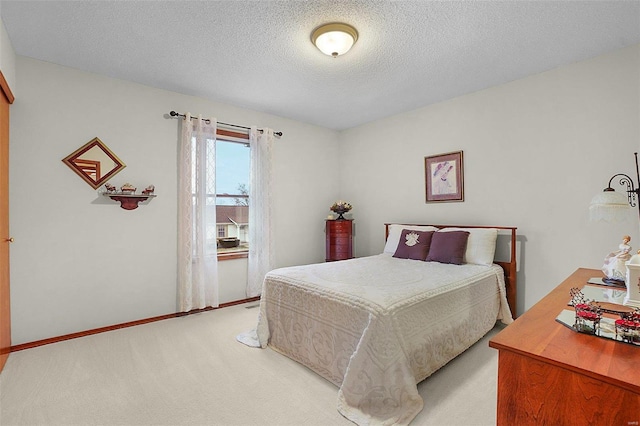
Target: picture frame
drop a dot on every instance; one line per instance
(94, 162)
(444, 177)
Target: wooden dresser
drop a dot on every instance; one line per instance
(549, 374)
(339, 239)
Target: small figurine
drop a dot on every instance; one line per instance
(110, 188)
(127, 188)
(614, 264)
(149, 190)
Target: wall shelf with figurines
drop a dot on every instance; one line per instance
(127, 196)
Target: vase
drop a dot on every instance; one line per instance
(340, 212)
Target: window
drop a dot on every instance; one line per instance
(229, 235)
(232, 194)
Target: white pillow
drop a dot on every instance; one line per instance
(394, 235)
(481, 245)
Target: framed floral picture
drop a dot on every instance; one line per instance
(444, 177)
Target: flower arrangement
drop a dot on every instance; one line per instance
(340, 207)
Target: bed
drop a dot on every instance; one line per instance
(378, 325)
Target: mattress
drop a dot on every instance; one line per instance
(376, 326)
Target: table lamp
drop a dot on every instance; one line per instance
(612, 206)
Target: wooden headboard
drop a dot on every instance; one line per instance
(510, 271)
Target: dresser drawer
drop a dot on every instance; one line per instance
(340, 241)
(341, 226)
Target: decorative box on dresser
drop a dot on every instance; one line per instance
(339, 239)
(549, 374)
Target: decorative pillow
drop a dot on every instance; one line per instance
(394, 235)
(481, 246)
(448, 247)
(413, 244)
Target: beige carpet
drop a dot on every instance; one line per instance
(191, 371)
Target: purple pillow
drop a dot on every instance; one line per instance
(448, 247)
(413, 244)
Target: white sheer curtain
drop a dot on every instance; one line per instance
(197, 251)
(261, 252)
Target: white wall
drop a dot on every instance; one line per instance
(535, 151)
(79, 261)
(7, 58)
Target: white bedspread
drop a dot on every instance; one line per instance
(376, 326)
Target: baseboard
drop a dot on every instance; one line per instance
(50, 340)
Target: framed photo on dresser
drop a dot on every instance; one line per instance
(444, 177)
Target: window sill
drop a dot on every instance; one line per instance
(231, 256)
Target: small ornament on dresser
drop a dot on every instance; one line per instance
(614, 267)
(587, 313)
(340, 207)
(127, 188)
(632, 297)
(628, 328)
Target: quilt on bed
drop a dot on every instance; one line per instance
(376, 326)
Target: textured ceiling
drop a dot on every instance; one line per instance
(257, 54)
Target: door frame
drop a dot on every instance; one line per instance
(6, 99)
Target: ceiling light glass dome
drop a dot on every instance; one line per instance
(334, 39)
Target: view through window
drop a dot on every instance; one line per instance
(232, 197)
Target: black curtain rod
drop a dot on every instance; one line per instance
(177, 114)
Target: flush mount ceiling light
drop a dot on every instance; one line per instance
(334, 39)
